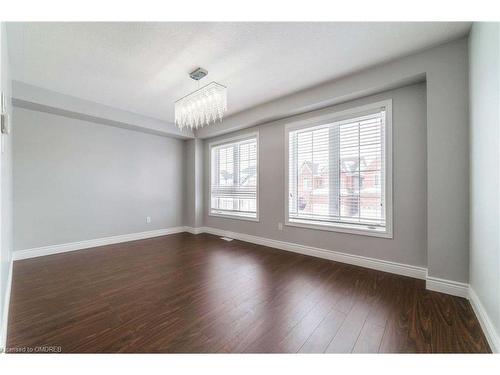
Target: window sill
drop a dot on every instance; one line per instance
(238, 217)
(342, 228)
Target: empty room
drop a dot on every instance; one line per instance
(250, 187)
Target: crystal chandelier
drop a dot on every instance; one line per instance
(205, 105)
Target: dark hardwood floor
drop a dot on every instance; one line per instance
(187, 293)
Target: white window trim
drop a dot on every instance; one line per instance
(359, 229)
(226, 141)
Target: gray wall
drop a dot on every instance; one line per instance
(445, 69)
(484, 79)
(409, 178)
(76, 180)
(6, 179)
(33, 97)
(193, 182)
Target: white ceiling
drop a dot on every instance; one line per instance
(143, 67)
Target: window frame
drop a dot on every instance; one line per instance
(323, 119)
(222, 142)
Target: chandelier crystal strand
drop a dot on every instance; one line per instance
(201, 107)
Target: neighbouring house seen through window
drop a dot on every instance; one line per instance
(337, 173)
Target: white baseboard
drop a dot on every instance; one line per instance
(72, 246)
(376, 264)
(194, 230)
(454, 288)
(6, 306)
(485, 321)
(432, 283)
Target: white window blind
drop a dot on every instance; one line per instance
(234, 178)
(337, 173)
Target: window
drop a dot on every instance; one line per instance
(234, 178)
(347, 156)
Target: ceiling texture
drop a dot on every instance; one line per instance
(143, 67)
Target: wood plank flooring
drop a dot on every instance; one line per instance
(184, 293)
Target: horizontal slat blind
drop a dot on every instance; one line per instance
(234, 178)
(336, 172)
